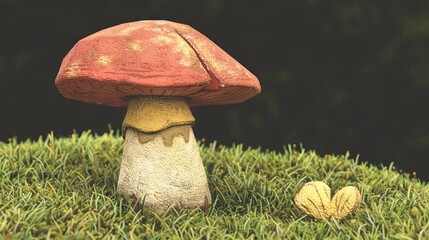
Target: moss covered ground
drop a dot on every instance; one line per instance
(65, 188)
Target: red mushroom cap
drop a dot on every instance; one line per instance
(156, 58)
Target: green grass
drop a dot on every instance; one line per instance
(66, 189)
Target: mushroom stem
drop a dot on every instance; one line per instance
(163, 166)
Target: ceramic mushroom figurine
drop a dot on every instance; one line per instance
(158, 69)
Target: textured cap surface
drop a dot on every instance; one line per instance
(156, 58)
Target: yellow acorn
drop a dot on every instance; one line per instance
(314, 199)
(345, 202)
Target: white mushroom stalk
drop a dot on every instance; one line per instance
(161, 162)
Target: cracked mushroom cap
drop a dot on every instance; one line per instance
(153, 58)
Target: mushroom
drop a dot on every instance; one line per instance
(158, 69)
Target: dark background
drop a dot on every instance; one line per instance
(335, 75)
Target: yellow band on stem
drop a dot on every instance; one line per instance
(154, 114)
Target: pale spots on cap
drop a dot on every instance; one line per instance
(189, 57)
(153, 58)
(180, 47)
(161, 22)
(128, 30)
(134, 45)
(147, 26)
(220, 65)
(161, 40)
(183, 28)
(104, 60)
(73, 69)
(215, 62)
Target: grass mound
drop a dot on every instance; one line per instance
(66, 188)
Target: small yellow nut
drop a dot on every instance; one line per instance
(345, 202)
(314, 199)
